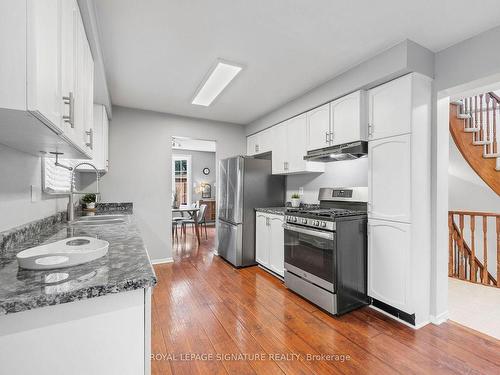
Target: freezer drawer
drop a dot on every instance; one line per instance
(230, 242)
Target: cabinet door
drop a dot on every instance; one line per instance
(261, 239)
(390, 108)
(44, 97)
(296, 144)
(277, 246)
(265, 141)
(318, 127)
(389, 178)
(389, 271)
(105, 142)
(279, 148)
(347, 119)
(252, 144)
(69, 16)
(84, 90)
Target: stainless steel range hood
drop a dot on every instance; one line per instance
(346, 151)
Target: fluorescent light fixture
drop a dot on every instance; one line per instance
(218, 78)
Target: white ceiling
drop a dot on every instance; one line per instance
(157, 52)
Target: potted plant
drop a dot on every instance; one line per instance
(295, 200)
(89, 200)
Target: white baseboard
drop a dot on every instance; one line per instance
(441, 318)
(417, 326)
(162, 260)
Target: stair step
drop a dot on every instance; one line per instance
(492, 156)
(472, 130)
(456, 102)
(481, 143)
(464, 116)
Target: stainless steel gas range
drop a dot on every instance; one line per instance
(326, 250)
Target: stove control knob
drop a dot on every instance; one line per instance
(323, 224)
(294, 219)
(316, 223)
(304, 221)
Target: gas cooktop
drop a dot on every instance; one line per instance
(323, 213)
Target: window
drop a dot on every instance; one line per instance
(181, 179)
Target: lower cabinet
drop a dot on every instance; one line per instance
(269, 242)
(389, 268)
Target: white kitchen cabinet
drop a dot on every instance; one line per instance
(349, 119)
(342, 121)
(390, 108)
(277, 245)
(280, 149)
(318, 127)
(101, 139)
(260, 143)
(38, 69)
(261, 239)
(269, 242)
(399, 200)
(389, 268)
(389, 178)
(290, 146)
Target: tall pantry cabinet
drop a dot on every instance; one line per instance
(399, 207)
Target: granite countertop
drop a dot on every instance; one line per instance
(125, 267)
(272, 210)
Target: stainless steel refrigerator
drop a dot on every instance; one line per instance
(245, 183)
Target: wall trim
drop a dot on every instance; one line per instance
(415, 327)
(162, 260)
(439, 319)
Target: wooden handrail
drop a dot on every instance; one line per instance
(463, 262)
(474, 213)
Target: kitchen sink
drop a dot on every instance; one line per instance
(100, 220)
(64, 253)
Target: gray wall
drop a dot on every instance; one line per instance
(140, 154)
(18, 172)
(340, 173)
(200, 160)
(403, 58)
(474, 60)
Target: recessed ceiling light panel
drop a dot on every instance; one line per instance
(218, 78)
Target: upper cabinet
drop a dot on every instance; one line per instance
(349, 119)
(100, 141)
(318, 127)
(260, 143)
(290, 146)
(342, 121)
(390, 108)
(46, 98)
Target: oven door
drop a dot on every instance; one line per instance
(309, 254)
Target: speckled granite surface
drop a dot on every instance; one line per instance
(272, 210)
(125, 267)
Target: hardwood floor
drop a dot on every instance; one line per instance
(210, 318)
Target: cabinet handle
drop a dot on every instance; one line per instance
(90, 143)
(257, 148)
(370, 130)
(331, 137)
(327, 137)
(70, 118)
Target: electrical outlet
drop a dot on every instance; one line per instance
(36, 193)
(301, 191)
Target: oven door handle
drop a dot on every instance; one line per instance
(311, 232)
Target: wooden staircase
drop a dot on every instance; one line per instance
(475, 128)
(463, 262)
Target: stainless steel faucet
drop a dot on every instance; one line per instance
(71, 203)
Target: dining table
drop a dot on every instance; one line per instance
(193, 212)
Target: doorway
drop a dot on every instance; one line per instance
(468, 129)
